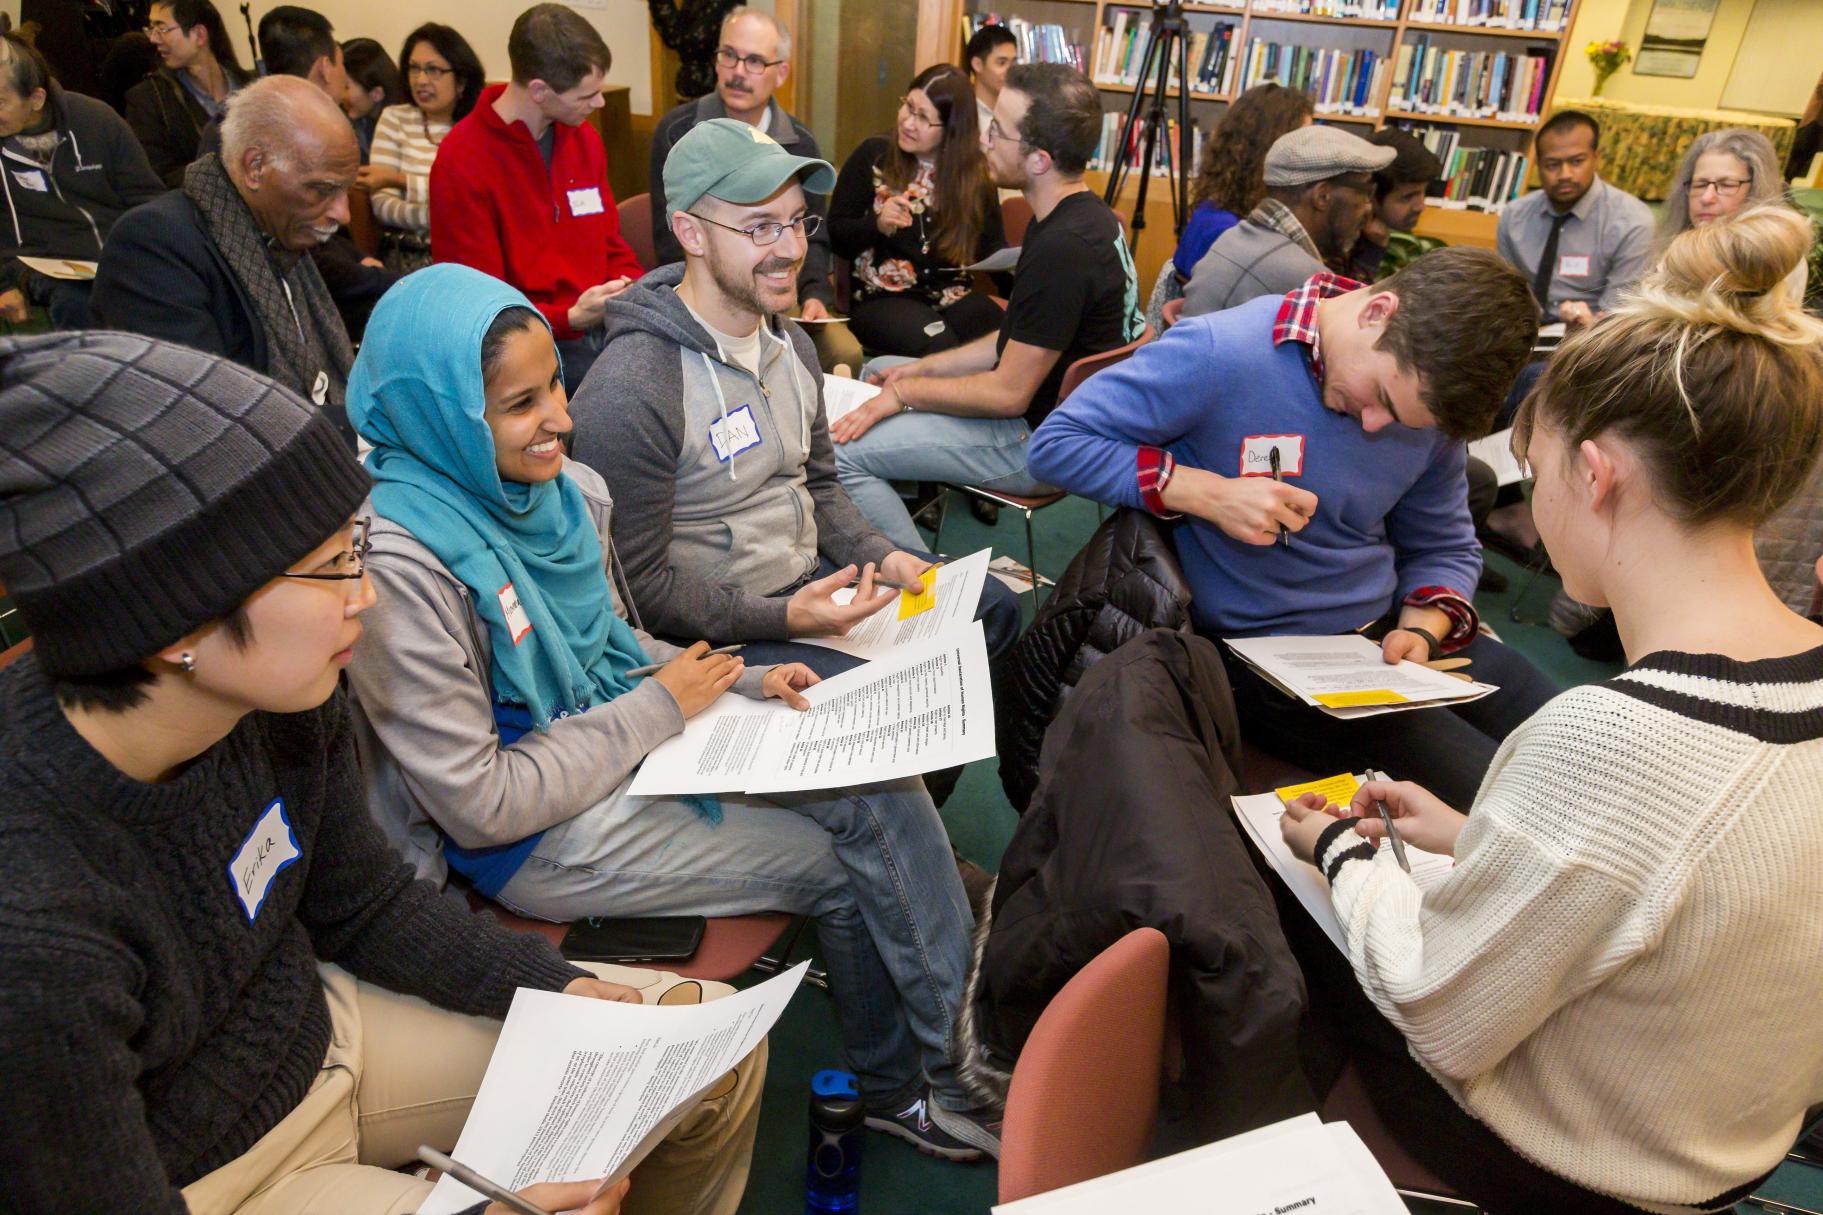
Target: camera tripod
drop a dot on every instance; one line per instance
(1167, 45)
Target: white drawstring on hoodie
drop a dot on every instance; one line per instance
(721, 401)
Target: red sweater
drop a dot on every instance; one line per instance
(494, 206)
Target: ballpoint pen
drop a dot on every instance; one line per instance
(478, 1183)
(1284, 536)
(1392, 832)
(720, 649)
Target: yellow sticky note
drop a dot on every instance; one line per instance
(1354, 700)
(1339, 790)
(910, 605)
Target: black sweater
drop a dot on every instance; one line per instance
(153, 1031)
(852, 229)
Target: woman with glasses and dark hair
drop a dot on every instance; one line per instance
(909, 210)
(373, 85)
(444, 78)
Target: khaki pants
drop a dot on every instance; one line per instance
(400, 1072)
(835, 345)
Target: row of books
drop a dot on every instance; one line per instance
(1109, 151)
(1120, 46)
(1373, 10)
(1427, 79)
(1338, 80)
(1039, 42)
(1549, 15)
(1479, 179)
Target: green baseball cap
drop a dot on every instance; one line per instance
(736, 163)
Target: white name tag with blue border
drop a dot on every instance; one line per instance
(269, 849)
(585, 202)
(732, 435)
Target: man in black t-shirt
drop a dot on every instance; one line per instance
(964, 415)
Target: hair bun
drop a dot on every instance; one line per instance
(1730, 274)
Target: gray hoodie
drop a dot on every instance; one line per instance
(424, 715)
(725, 484)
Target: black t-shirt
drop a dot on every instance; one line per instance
(1075, 290)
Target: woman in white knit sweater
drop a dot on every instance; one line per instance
(1614, 995)
(445, 78)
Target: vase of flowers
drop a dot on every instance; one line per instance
(1607, 59)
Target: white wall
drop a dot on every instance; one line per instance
(624, 25)
(1769, 74)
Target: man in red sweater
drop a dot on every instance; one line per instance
(520, 190)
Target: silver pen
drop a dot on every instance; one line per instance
(1392, 832)
(478, 1183)
(658, 666)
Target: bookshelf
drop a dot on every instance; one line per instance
(1320, 30)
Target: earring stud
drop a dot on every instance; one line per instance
(187, 661)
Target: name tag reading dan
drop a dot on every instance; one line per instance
(269, 849)
(1256, 455)
(732, 435)
(1573, 265)
(585, 202)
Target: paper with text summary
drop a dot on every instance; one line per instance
(68, 269)
(1496, 451)
(579, 1089)
(926, 707)
(957, 595)
(841, 395)
(1347, 677)
(995, 262)
(1260, 815)
(1301, 1165)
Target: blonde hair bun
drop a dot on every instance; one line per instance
(1730, 274)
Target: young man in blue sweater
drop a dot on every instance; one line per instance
(1367, 394)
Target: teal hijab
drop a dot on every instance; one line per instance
(416, 394)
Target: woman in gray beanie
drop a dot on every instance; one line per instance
(200, 926)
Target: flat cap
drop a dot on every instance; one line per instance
(1315, 153)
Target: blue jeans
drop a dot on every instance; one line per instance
(871, 865)
(989, 452)
(998, 612)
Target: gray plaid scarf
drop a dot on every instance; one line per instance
(1275, 215)
(304, 333)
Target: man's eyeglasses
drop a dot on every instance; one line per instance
(728, 57)
(928, 124)
(430, 71)
(996, 132)
(764, 234)
(1725, 187)
(163, 29)
(348, 564)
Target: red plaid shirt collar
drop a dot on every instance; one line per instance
(1297, 319)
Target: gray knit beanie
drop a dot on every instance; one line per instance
(147, 489)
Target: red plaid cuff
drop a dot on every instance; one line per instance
(1156, 465)
(1464, 621)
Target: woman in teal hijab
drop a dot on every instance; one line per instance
(501, 723)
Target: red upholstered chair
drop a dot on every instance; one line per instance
(1174, 309)
(1084, 1095)
(731, 945)
(636, 226)
(1348, 1102)
(1015, 217)
(13, 653)
(1029, 505)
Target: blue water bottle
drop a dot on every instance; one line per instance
(832, 1178)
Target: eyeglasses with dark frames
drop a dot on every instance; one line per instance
(728, 57)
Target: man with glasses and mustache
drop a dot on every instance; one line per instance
(752, 61)
(223, 264)
(519, 189)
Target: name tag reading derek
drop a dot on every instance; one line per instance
(269, 849)
(585, 202)
(1573, 265)
(732, 435)
(1256, 455)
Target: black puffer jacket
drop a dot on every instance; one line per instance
(1123, 582)
(1131, 827)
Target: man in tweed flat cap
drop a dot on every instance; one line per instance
(224, 989)
(1319, 191)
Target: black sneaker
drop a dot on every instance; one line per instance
(910, 1119)
(979, 1127)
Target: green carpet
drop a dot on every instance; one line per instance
(895, 1179)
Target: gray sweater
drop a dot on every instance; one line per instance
(443, 771)
(705, 539)
(1247, 261)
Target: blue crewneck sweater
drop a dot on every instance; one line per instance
(1392, 507)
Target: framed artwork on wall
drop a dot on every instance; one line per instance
(1675, 33)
